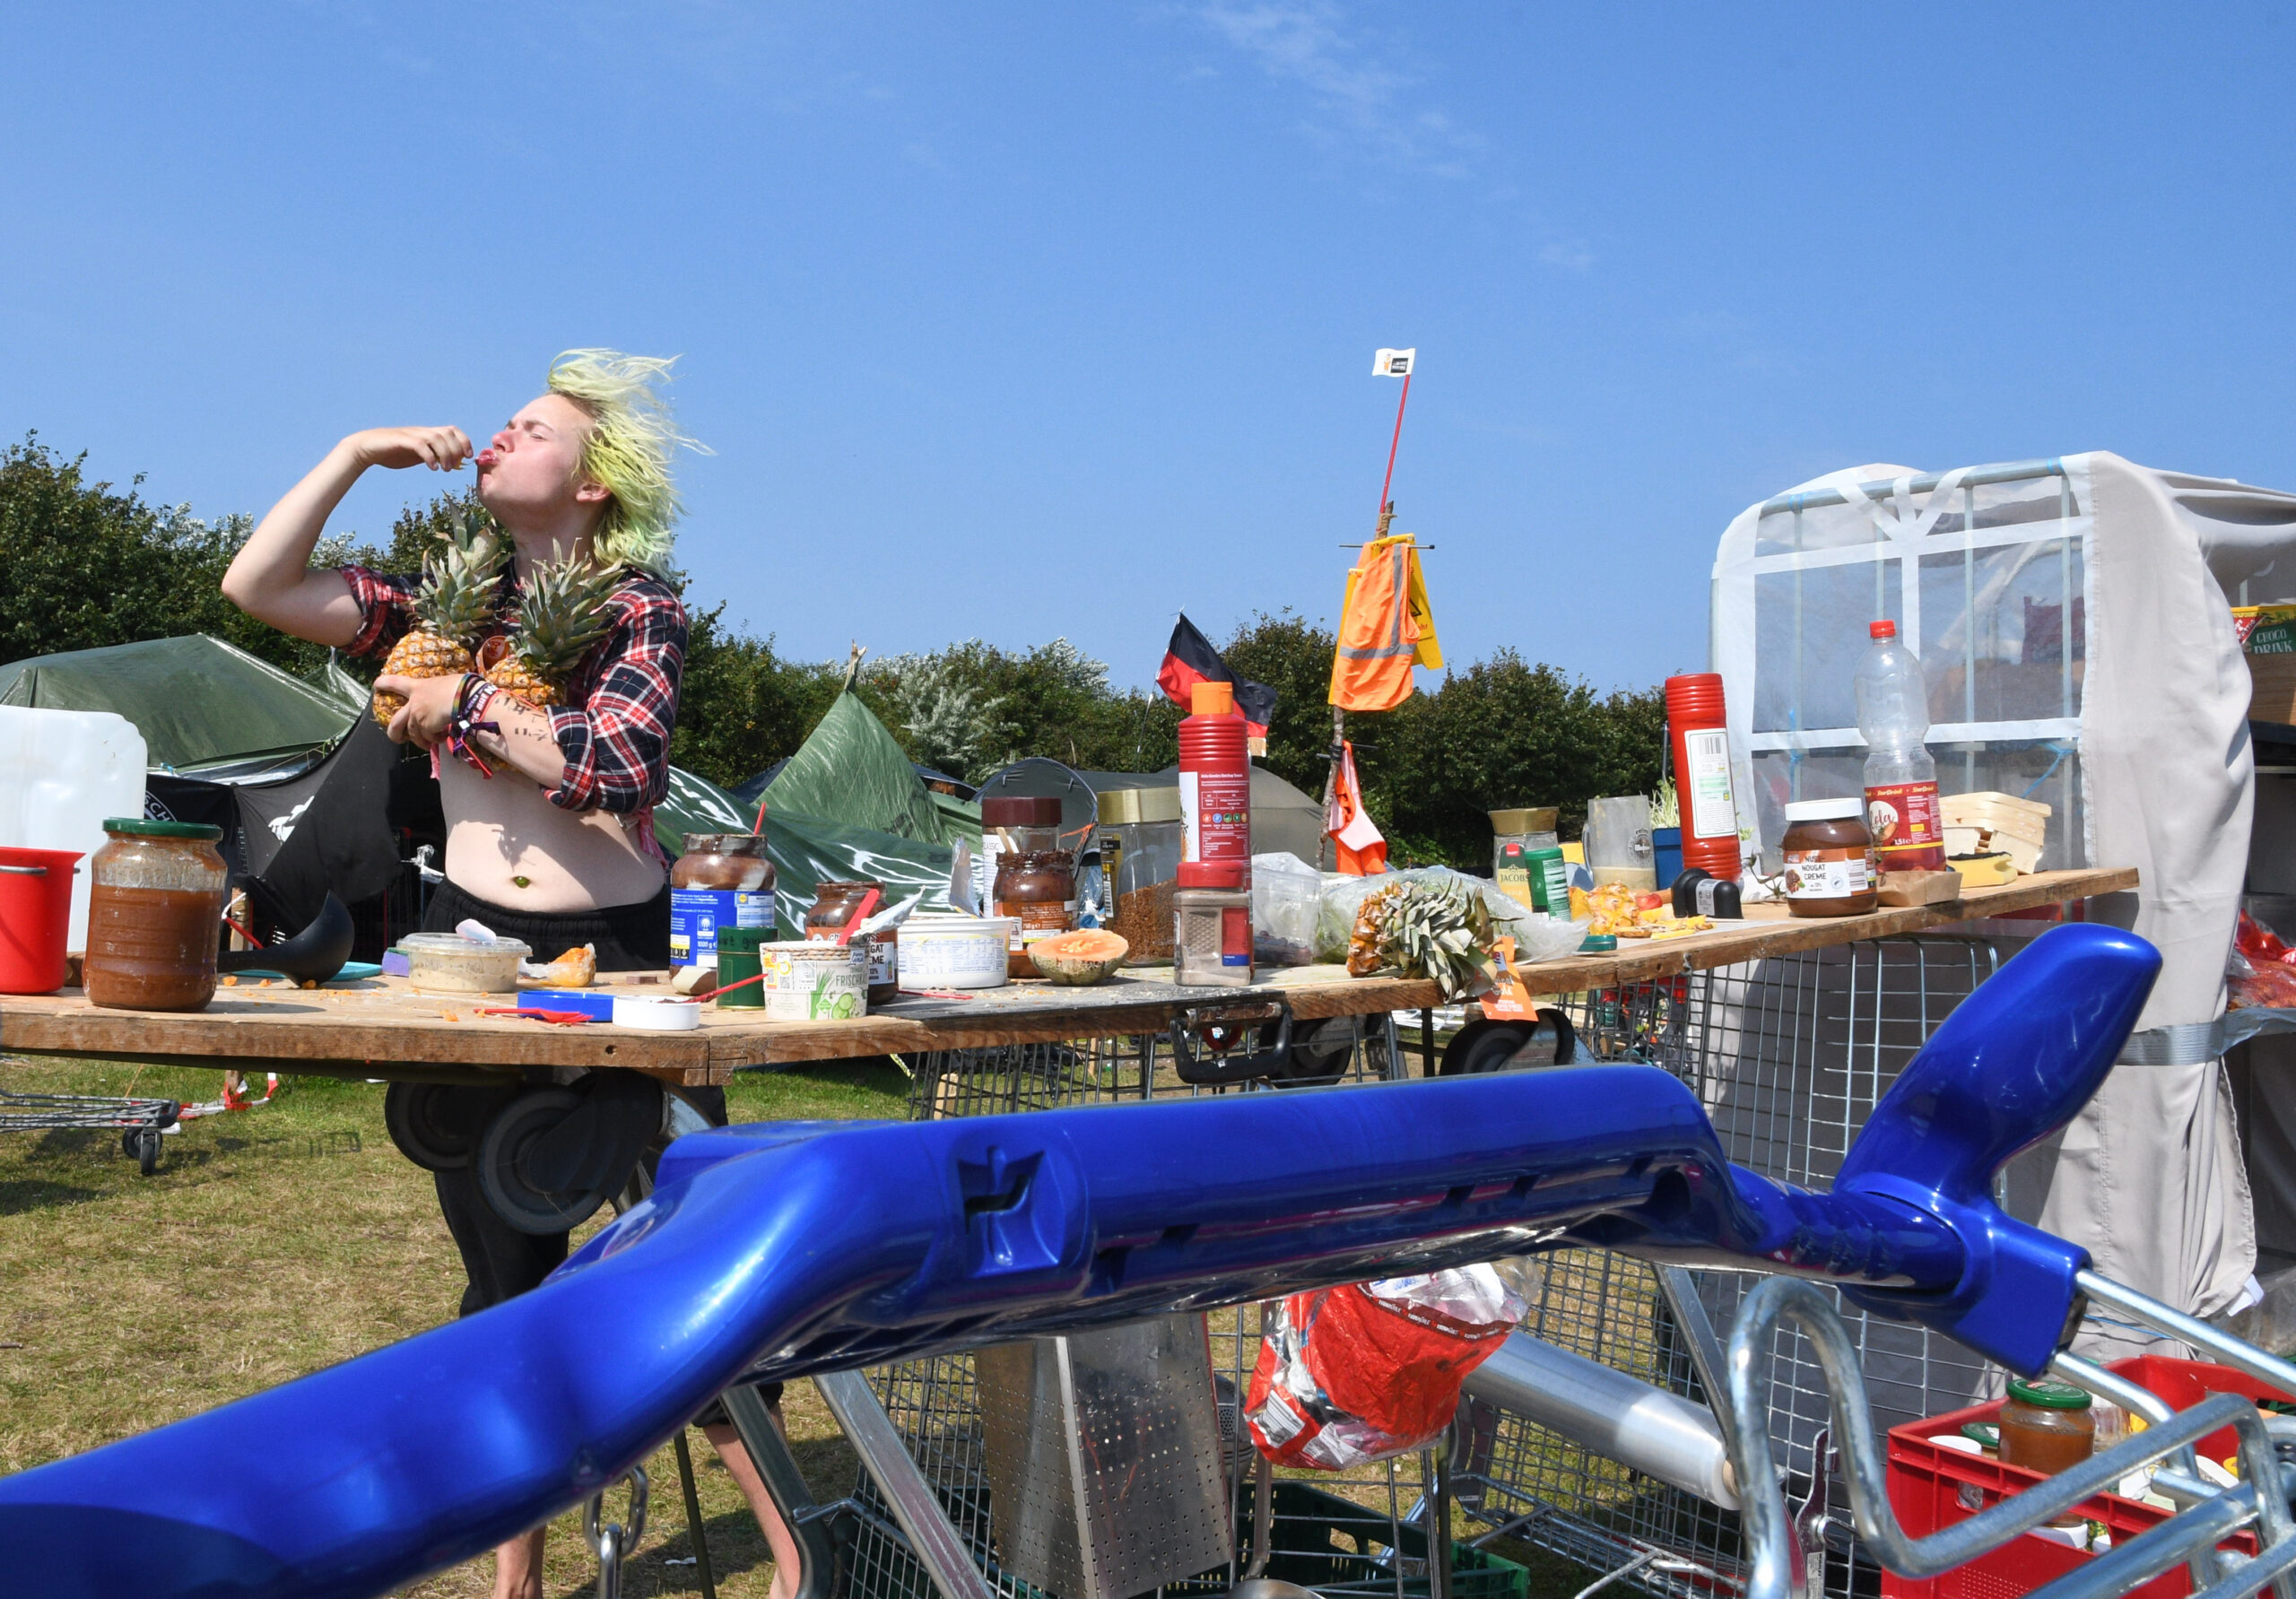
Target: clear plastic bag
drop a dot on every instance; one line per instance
(1361, 1372)
(1286, 892)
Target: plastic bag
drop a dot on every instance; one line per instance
(1359, 1373)
(1286, 892)
(1537, 937)
(2261, 970)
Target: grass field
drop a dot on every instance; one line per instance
(288, 1238)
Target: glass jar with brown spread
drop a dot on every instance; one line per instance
(1037, 888)
(1829, 859)
(155, 916)
(723, 880)
(834, 904)
(2046, 1427)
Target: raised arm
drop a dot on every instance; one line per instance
(271, 578)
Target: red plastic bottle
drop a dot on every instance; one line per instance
(1710, 813)
(1216, 792)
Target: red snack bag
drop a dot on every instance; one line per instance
(1358, 1373)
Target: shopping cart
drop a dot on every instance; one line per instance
(140, 1122)
(780, 1251)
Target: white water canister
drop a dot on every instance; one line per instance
(61, 773)
(806, 981)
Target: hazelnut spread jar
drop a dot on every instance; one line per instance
(723, 880)
(1037, 888)
(834, 905)
(1829, 859)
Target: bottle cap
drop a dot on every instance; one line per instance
(1882, 629)
(1212, 698)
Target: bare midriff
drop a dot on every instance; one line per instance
(509, 845)
(151, 949)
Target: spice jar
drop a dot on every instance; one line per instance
(1829, 859)
(2046, 1427)
(155, 916)
(834, 904)
(1036, 887)
(723, 880)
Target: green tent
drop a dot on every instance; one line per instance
(806, 850)
(851, 770)
(200, 704)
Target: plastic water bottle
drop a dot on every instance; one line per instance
(1900, 778)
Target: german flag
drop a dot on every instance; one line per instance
(1189, 660)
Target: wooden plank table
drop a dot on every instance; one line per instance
(381, 1028)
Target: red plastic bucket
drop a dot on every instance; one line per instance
(35, 915)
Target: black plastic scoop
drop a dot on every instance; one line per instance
(312, 956)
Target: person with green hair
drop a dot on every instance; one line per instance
(549, 807)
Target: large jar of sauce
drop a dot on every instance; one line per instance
(1829, 859)
(834, 904)
(1037, 888)
(155, 916)
(2046, 1427)
(723, 880)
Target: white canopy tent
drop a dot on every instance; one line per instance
(2072, 617)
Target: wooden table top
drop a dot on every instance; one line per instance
(382, 1028)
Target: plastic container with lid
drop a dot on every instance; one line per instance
(943, 951)
(155, 916)
(723, 880)
(1215, 787)
(1829, 859)
(1037, 891)
(834, 905)
(449, 963)
(2046, 1427)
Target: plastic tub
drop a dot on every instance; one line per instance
(813, 982)
(655, 1013)
(35, 914)
(954, 951)
(449, 963)
(61, 773)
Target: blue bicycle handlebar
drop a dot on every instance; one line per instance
(794, 1249)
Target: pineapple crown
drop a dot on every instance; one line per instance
(564, 610)
(455, 599)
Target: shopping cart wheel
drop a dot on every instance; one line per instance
(438, 1124)
(551, 1157)
(141, 1145)
(1482, 1047)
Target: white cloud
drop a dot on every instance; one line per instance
(1361, 89)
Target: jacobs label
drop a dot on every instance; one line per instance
(1833, 874)
(1903, 821)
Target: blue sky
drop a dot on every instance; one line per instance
(1020, 321)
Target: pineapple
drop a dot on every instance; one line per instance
(452, 608)
(563, 612)
(1440, 931)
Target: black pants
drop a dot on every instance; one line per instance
(499, 1261)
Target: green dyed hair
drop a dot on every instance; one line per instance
(628, 451)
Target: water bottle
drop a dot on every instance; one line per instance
(1900, 777)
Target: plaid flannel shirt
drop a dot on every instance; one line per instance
(620, 702)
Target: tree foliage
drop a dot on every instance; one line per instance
(84, 564)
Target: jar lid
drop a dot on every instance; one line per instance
(724, 844)
(1826, 809)
(1120, 807)
(1021, 810)
(1599, 943)
(139, 827)
(2050, 1395)
(455, 943)
(1525, 818)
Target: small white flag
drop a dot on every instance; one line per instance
(1394, 363)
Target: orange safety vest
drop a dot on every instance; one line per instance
(1362, 851)
(1385, 628)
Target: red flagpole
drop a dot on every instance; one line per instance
(1389, 481)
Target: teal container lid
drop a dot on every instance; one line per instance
(1599, 943)
(2050, 1395)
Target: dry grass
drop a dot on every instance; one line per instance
(272, 1243)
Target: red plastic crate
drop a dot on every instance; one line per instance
(1932, 1487)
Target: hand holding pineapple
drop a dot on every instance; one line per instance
(452, 608)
